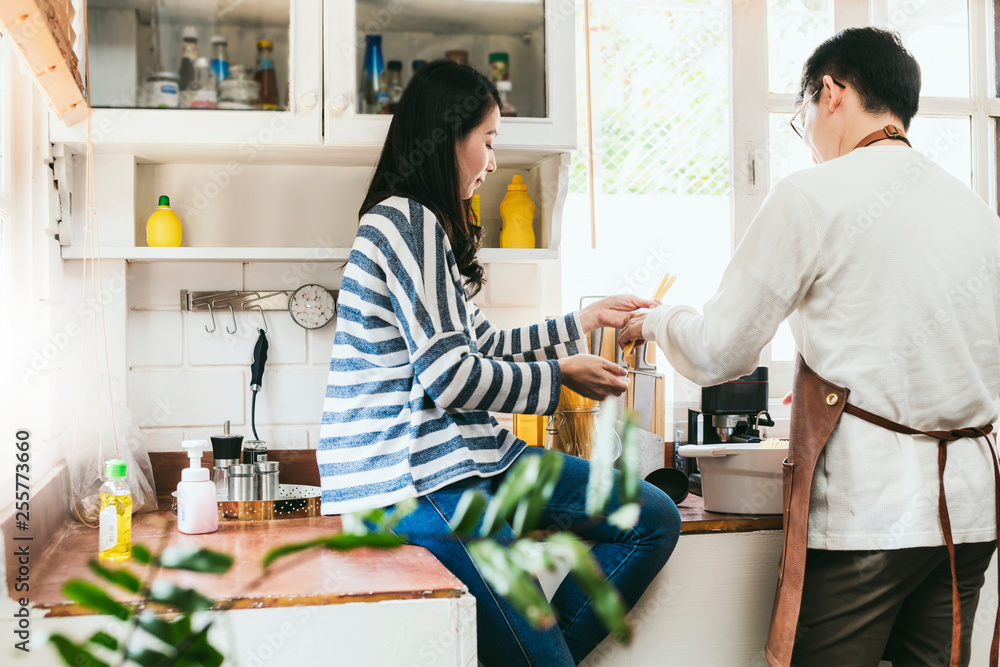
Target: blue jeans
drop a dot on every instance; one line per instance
(630, 559)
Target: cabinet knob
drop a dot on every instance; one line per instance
(340, 103)
(308, 100)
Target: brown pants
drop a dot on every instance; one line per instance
(857, 605)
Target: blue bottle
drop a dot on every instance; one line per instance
(374, 94)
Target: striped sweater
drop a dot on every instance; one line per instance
(416, 369)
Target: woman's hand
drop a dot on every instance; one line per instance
(612, 311)
(632, 330)
(593, 377)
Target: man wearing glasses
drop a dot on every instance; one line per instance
(888, 269)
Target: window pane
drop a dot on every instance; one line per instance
(946, 141)
(788, 153)
(661, 130)
(794, 29)
(661, 98)
(937, 34)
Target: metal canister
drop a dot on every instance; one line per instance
(267, 473)
(241, 482)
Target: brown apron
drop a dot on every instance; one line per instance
(816, 408)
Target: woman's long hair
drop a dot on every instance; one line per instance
(442, 104)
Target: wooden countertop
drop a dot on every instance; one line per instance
(316, 577)
(695, 519)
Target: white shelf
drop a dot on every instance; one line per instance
(516, 147)
(505, 17)
(142, 254)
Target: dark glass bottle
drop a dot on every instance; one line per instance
(265, 75)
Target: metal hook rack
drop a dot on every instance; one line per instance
(260, 300)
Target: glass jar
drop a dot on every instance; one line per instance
(162, 91)
(573, 427)
(238, 94)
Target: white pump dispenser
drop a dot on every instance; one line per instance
(197, 509)
(194, 473)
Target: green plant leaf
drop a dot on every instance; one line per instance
(601, 479)
(515, 584)
(198, 560)
(344, 542)
(171, 633)
(608, 602)
(92, 597)
(530, 507)
(625, 517)
(101, 638)
(288, 549)
(338, 542)
(201, 652)
(141, 554)
(629, 479)
(470, 510)
(73, 654)
(185, 600)
(120, 576)
(516, 485)
(400, 511)
(147, 657)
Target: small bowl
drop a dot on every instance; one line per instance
(672, 481)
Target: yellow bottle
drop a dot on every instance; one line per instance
(476, 221)
(115, 520)
(517, 211)
(163, 229)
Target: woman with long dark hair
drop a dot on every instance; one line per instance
(416, 370)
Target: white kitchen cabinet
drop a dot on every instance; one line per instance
(133, 40)
(319, 49)
(536, 35)
(285, 185)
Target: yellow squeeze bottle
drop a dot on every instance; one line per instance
(115, 519)
(163, 228)
(517, 211)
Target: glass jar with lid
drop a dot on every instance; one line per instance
(239, 91)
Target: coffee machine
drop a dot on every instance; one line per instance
(730, 412)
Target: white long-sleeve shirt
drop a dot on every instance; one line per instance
(888, 268)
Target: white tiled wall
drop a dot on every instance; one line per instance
(186, 382)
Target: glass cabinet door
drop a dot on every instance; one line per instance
(205, 72)
(374, 50)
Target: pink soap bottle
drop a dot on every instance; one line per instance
(197, 509)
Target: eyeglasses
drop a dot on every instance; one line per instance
(798, 128)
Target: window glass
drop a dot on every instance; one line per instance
(946, 141)
(662, 137)
(794, 29)
(937, 34)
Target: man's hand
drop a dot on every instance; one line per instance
(632, 330)
(612, 311)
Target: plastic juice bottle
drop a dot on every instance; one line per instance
(163, 228)
(115, 519)
(517, 211)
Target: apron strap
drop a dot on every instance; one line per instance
(995, 648)
(943, 438)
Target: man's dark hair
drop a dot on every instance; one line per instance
(875, 63)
